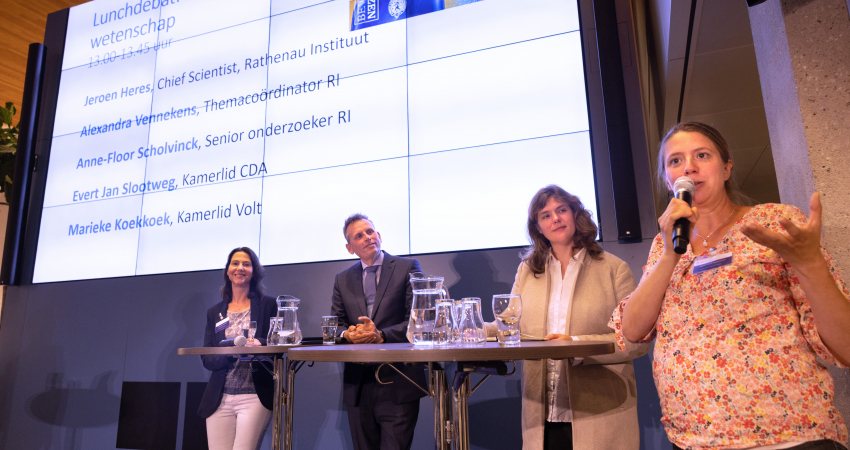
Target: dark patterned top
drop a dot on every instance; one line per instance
(238, 379)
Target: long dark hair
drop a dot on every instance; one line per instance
(256, 289)
(584, 237)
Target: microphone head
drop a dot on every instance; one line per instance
(239, 341)
(683, 183)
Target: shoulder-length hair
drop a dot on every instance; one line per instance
(584, 237)
(256, 289)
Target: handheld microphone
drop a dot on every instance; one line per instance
(683, 189)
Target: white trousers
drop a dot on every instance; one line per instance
(238, 423)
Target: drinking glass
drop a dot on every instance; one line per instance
(443, 323)
(251, 331)
(457, 307)
(507, 308)
(329, 327)
(472, 325)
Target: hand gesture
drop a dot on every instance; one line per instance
(364, 332)
(798, 244)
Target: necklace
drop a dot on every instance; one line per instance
(723, 224)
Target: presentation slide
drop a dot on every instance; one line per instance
(185, 128)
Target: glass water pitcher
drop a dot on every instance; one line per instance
(284, 328)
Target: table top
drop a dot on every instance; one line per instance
(260, 350)
(489, 351)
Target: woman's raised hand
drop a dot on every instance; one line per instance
(799, 243)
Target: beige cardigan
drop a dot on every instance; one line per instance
(603, 393)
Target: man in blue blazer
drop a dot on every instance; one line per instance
(372, 299)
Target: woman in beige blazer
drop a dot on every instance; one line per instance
(569, 288)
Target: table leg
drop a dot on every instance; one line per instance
(279, 401)
(460, 413)
(442, 411)
(291, 368)
(461, 391)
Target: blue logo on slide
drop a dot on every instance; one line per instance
(396, 8)
(365, 11)
(368, 13)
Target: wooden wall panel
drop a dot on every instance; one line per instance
(22, 23)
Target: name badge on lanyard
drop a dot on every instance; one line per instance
(221, 325)
(706, 263)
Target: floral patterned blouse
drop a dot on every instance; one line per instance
(735, 359)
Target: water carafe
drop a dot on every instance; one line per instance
(427, 290)
(285, 325)
(275, 327)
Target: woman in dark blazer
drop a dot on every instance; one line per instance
(238, 400)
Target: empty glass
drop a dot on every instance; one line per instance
(457, 306)
(471, 326)
(507, 308)
(443, 323)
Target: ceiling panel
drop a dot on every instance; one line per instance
(722, 80)
(722, 88)
(725, 24)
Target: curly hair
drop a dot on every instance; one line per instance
(585, 235)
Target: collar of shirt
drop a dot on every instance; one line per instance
(378, 262)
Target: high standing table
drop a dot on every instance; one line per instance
(283, 384)
(388, 354)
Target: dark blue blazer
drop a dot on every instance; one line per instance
(391, 311)
(262, 309)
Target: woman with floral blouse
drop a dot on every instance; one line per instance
(741, 318)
